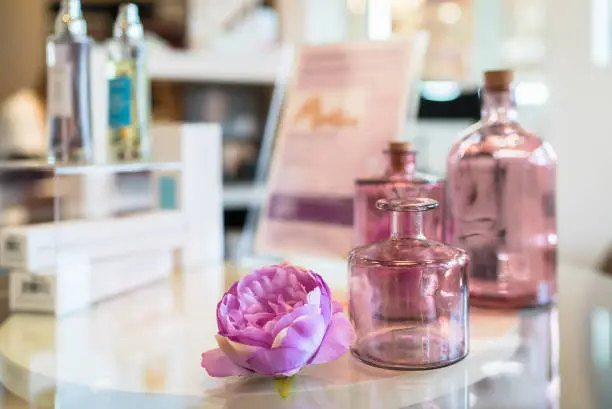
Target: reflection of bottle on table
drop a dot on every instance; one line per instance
(527, 379)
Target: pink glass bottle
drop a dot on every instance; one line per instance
(408, 296)
(400, 181)
(501, 204)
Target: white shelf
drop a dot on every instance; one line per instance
(252, 67)
(86, 168)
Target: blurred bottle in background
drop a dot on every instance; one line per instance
(400, 181)
(68, 95)
(501, 192)
(128, 86)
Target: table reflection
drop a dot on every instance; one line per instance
(601, 355)
(142, 351)
(529, 379)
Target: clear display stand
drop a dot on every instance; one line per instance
(73, 235)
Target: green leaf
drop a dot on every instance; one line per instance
(283, 385)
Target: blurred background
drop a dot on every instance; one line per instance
(220, 61)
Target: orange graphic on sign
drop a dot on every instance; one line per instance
(312, 111)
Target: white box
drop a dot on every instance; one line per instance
(200, 189)
(38, 247)
(86, 283)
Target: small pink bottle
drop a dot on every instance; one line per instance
(408, 296)
(501, 204)
(400, 181)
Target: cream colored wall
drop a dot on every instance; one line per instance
(312, 21)
(580, 130)
(22, 47)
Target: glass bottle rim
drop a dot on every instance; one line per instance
(407, 205)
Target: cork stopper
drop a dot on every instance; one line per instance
(400, 147)
(498, 80)
(401, 155)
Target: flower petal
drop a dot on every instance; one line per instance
(306, 278)
(227, 303)
(314, 297)
(249, 302)
(293, 280)
(248, 281)
(288, 318)
(266, 283)
(237, 352)
(326, 302)
(280, 277)
(218, 365)
(278, 361)
(258, 289)
(338, 338)
(251, 336)
(259, 319)
(305, 333)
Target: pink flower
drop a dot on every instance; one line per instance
(274, 322)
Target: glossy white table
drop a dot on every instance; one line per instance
(143, 350)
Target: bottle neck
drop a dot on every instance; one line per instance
(407, 225)
(72, 7)
(498, 106)
(401, 163)
(128, 25)
(70, 19)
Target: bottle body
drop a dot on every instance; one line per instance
(408, 300)
(68, 98)
(128, 88)
(501, 209)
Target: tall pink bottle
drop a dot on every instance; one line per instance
(501, 204)
(399, 181)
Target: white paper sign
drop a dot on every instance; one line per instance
(345, 103)
(60, 90)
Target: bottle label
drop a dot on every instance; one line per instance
(60, 91)
(120, 102)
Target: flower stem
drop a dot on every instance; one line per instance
(283, 385)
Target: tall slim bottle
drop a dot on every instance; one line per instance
(501, 193)
(68, 92)
(128, 86)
